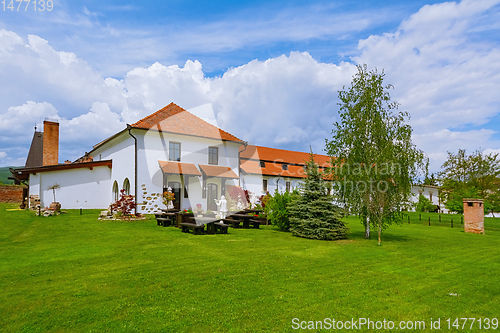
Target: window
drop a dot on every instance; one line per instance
(115, 191)
(264, 185)
(262, 164)
(174, 153)
(470, 204)
(284, 166)
(430, 196)
(213, 155)
(126, 186)
(287, 186)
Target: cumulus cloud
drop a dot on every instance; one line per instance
(442, 75)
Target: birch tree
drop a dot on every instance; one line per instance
(374, 161)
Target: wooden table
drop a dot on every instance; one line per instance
(245, 219)
(209, 221)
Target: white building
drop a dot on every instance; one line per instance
(430, 192)
(170, 148)
(266, 169)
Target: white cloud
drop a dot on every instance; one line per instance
(444, 77)
(19, 118)
(3, 154)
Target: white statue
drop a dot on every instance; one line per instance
(239, 205)
(217, 202)
(253, 200)
(221, 207)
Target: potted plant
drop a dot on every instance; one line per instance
(55, 206)
(168, 198)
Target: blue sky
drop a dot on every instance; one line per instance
(274, 66)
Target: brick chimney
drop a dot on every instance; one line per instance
(50, 143)
(474, 216)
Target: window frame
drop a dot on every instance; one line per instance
(173, 150)
(212, 155)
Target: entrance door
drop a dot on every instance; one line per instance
(176, 190)
(211, 197)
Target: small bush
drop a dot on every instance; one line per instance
(276, 208)
(124, 205)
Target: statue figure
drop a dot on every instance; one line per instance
(218, 202)
(239, 205)
(253, 200)
(221, 207)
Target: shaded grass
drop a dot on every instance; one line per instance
(73, 273)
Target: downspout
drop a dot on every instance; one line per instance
(129, 128)
(239, 162)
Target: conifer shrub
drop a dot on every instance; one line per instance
(312, 214)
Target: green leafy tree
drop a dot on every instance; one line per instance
(424, 205)
(276, 208)
(312, 214)
(374, 162)
(470, 176)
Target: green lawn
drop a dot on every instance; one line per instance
(73, 273)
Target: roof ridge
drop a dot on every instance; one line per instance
(154, 113)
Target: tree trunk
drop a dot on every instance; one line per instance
(367, 227)
(379, 232)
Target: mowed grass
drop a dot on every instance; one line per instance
(73, 273)
(448, 220)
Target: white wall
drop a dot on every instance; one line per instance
(430, 193)
(80, 188)
(154, 147)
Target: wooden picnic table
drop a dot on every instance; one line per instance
(212, 224)
(245, 218)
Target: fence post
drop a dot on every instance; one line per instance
(461, 220)
(439, 217)
(429, 221)
(420, 217)
(80, 211)
(452, 223)
(408, 219)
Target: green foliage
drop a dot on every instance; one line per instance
(374, 162)
(5, 174)
(276, 208)
(312, 214)
(424, 205)
(471, 176)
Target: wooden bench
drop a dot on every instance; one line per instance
(255, 224)
(232, 222)
(221, 227)
(197, 229)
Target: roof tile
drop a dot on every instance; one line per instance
(172, 118)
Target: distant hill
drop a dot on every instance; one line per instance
(5, 174)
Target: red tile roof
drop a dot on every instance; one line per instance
(218, 171)
(272, 169)
(172, 118)
(179, 168)
(259, 153)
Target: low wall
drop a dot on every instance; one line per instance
(11, 193)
